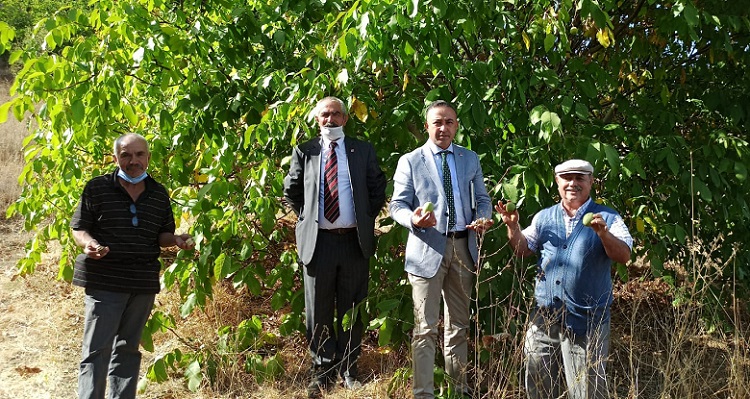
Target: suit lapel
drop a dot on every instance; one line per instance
(351, 155)
(460, 160)
(313, 164)
(428, 161)
(353, 158)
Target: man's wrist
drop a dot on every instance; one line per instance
(514, 227)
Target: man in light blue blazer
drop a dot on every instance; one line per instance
(441, 252)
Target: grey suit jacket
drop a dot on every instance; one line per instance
(416, 182)
(302, 188)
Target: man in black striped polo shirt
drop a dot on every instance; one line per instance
(122, 220)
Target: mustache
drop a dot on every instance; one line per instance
(331, 124)
(577, 189)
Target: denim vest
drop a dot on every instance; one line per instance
(574, 273)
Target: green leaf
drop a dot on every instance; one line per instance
(279, 37)
(622, 272)
(4, 109)
(510, 192)
(567, 105)
(536, 114)
(388, 305)
(14, 56)
(691, 14)
(549, 42)
(702, 189)
(672, 162)
(219, 266)
(582, 111)
(253, 284)
(194, 376)
(78, 110)
(550, 122)
(158, 371)
(613, 159)
(187, 307)
(740, 170)
(129, 112)
(681, 234)
(166, 123)
(343, 46)
(147, 340)
(384, 332)
(49, 41)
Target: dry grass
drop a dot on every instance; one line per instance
(663, 345)
(228, 308)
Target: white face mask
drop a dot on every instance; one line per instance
(132, 180)
(332, 133)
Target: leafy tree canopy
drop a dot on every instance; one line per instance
(653, 93)
(21, 15)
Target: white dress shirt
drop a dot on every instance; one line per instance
(346, 200)
(457, 202)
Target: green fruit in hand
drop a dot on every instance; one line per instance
(428, 207)
(510, 206)
(574, 31)
(587, 219)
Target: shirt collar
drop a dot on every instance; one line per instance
(436, 150)
(326, 143)
(580, 211)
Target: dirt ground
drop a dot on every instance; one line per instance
(40, 323)
(41, 329)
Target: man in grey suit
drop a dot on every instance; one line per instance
(336, 188)
(441, 252)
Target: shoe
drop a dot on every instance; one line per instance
(321, 380)
(352, 384)
(314, 390)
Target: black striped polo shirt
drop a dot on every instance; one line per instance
(132, 264)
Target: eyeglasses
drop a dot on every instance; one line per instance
(135, 215)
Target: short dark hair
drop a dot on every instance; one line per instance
(439, 103)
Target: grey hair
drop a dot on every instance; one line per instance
(320, 103)
(118, 141)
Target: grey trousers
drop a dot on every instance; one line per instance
(554, 355)
(112, 331)
(454, 282)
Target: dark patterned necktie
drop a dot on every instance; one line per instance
(448, 187)
(331, 187)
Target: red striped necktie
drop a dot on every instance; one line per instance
(331, 186)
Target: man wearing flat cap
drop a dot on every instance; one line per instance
(567, 340)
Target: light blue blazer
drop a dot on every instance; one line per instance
(416, 182)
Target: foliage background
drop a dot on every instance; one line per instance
(653, 93)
